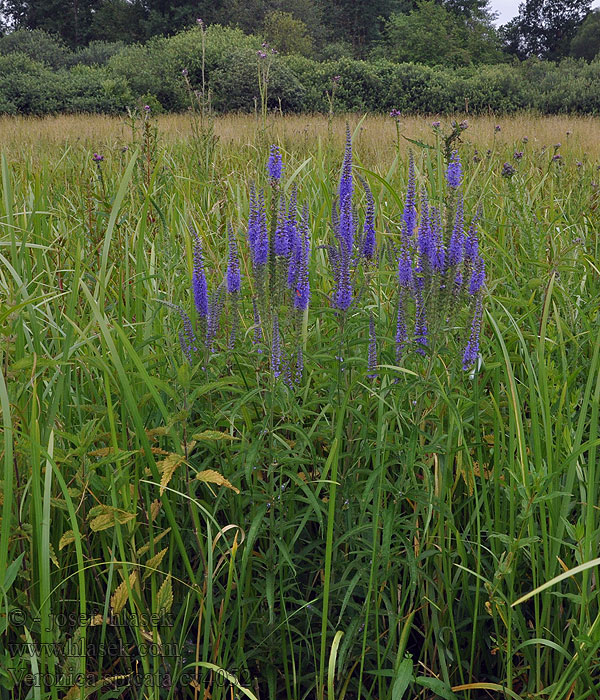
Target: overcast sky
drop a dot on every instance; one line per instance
(507, 9)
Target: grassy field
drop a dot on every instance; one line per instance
(208, 529)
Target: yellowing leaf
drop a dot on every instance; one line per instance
(119, 597)
(210, 476)
(164, 597)
(144, 548)
(154, 562)
(214, 435)
(167, 468)
(104, 517)
(67, 538)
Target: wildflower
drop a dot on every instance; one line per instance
(425, 241)
(556, 157)
(395, 114)
(261, 54)
(276, 348)
(146, 108)
(472, 349)
(233, 264)
(454, 171)
(497, 128)
(372, 357)
(281, 244)
(472, 241)
(405, 270)
(199, 286)
(258, 236)
(508, 170)
(336, 79)
(184, 72)
(517, 155)
(436, 124)
(294, 242)
(215, 309)
(438, 261)
(420, 322)
(302, 284)
(456, 244)
(346, 188)
(409, 216)
(368, 241)
(463, 125)
(97, 158)
(200, 22)
(401, 332)
(187, 337)
(274, 166)
(477, 276)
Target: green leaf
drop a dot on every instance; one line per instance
(438, 686)
(403, 678)
(11, 572)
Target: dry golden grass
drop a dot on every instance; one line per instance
(28, 135)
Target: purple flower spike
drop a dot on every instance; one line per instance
(409, 216)
(233, 264)
(261, 248)
(372, 359)
(457, 239)
(302, 284)
(199, 286)
(275, 165)
(281, 243)
(253, 222)
(425, 239)
(299, 365)
(405, 269)
(276, 348)
(346, 189)
(439, 255)
(401, 332)
(472, 241)
(420, 323)
(368, 242)
(472, 350)
(454, 172)
(477, 276)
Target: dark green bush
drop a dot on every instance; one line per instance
(38, 45)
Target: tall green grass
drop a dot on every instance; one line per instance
(383, 533)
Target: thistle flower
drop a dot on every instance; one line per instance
(409, 217)
(454, 171)
(233, 264)
(507, 170)
(97, 158)
(274, 165)
(276, 348)
(199, 286)
(302, 283)
(472, 349)
(368, 241)
(372, 358)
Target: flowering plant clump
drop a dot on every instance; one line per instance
(439, 272)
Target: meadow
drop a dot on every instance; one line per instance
(297, 508)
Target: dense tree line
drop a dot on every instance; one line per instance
(448, 32)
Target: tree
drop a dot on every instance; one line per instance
(432, 34)
(586, 42)
(544, 28)
(287, 34)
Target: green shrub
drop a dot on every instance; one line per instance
(38, 45)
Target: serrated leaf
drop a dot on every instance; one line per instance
(66, 539)
(119, 597)
(103, 517)
(167, 468)
(213, 435)
(210, 476)
(144, 548)
(153, 563)
(164, 597)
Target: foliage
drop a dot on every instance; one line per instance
(586, 42)
(434, 35)
(544, 28)
(288, 34)
(348, 535)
